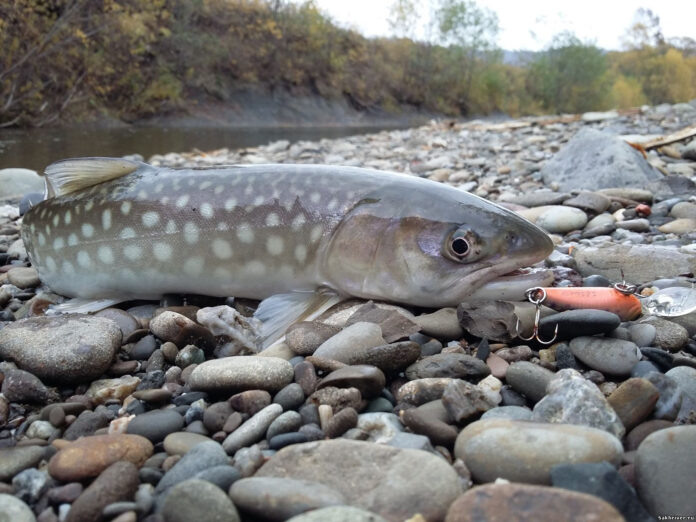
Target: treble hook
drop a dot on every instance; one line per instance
(541, 297)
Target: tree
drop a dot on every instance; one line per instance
(404, 18)
(570, 76)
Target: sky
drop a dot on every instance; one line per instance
(531, 24)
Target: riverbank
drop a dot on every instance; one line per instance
(386, 413)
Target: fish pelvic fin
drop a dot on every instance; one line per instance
(80, 305)
(70, 175)
(279, 311)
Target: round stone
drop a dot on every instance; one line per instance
(13, 460)
(181, 442)
(201, 457)
(281, 498)
(14, 510)
(685, 377)
(369, 380)
(453, 365)
(242, 373)
(155, 425)
(89, 456)
(189, 499)
(252, 430)
(561, 219)
(529, 379)
(509, 501)
(665, 463)
(607, 355)
(23, 277)
(522, 451)
(338, 514)
(346, 345)
(305, 337)
(62, 348)
(633, 401)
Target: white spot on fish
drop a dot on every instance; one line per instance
(222, 273)
(245, 233)
(142, 195)
(89, 205)
(150, 219)
(193, 266)
(258, 200)
(171, 227)
(272, 220)
(301, 253)
(106, 219)
(164, 200)
(274, 245)
(191, 233)
(83, 259)
(315, 197)
(56, 220)
(222, 249)
(162, 251)
(72, 240)
(316, 233)
(127, 233)
(205, 185)
(126, 207)
(42, 239)
(219, 189)
(249, 189)
(50, 264)
(222, 226)
(230, 204)
(67, 217)
(67, 268)
(58, 243)
(106, 255)
(87, 230)
(255, 268)
(298, 222)
(332, 204)
(159, 187)
(207, 210)
(133, 252)
(182, 200)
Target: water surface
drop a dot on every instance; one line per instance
(37, 148)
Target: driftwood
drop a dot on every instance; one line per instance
(681, 135)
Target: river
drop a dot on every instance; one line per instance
(37, 148)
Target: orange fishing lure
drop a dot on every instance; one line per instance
(626, 306)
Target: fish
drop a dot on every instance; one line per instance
(298, 237)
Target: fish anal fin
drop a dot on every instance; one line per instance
(281, 310)
(71, 175)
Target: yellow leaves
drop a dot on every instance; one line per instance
(627, 93)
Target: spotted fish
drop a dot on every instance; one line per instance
(299, 236)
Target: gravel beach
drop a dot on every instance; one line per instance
(166, 411)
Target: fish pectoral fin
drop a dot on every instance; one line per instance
(80, 305)
(279, 311)
(71, 175)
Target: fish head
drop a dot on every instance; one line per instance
(428, 247)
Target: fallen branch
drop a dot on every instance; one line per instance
(681, 135)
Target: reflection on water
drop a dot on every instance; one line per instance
(36, 148)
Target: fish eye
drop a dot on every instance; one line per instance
(460, 246)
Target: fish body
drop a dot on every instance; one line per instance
(116, 229)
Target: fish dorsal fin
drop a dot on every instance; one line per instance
(71, 175)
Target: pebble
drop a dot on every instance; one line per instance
(90, 456)
(337, 425)
(62, 348)
(14, 460)
(601, 480)
(572, 399)
(155, 425)
(188, 499)
(640, 432)
(222, 476)
(685, 377)
(519, 501)
(104, 390)
(453, 365)
(395, 322)
(369, 380)
(441, 324)
(284, 423)
(522, 451)
(338, 514)
(14, 510)
(379, 478)
(561, 219)
(573, 323)
(274, 498)
(179, 329)
(252, 430)
(633, 401)
(181, 442)
(337, 398)
(612, 356)
(380, 427)
(529, 379)
(23, 277)
(589, 201)
(201, 457)
(292, 396)
(463, 400)
(29, 485)
(642, 334)
(215, 415)
(670, 399)
(125, 321)
(242, 373)
(305, 337)
(21, 386)
(508, 412)
(117, 482)
(665, 463)
(250, 401)
(669, 335)
(348, 345)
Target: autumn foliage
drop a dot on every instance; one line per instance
(67, 60)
